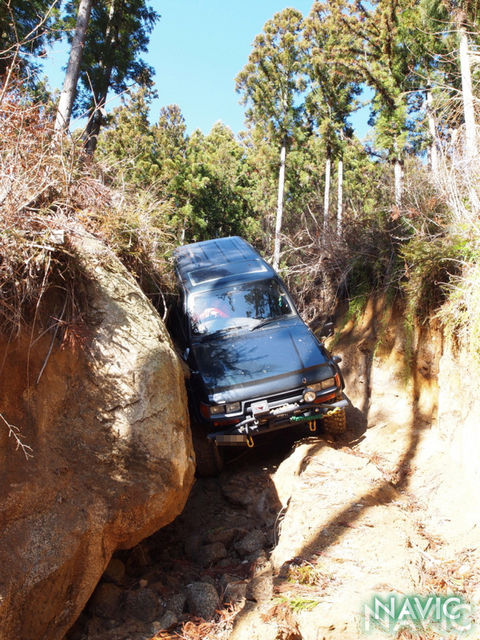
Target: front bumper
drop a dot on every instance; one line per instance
(241, 434)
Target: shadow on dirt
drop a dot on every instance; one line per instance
(223, 539)
(221, 543)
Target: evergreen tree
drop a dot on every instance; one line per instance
(26, 26)
(69, 89)
(118, 33)
(271, 83)
(334, 86)
(127, 143)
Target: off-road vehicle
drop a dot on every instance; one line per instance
(255, 365)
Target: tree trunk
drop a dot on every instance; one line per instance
(94, 125)
(339, 196)
(67, 97)
(278, 220)
(398, 173)
(100, 92)
(326, 194)
(433, 134)
(467, 94)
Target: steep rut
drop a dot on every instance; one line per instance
(291, 542)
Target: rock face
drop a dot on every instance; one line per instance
(113, 461)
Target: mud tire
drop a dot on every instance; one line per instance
(336, 423)
(208, 456)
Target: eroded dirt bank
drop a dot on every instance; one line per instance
(294, 538)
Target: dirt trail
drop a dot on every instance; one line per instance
(298, 538)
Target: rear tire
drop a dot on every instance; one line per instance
(208, 455)
(336, 423)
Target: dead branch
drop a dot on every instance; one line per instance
(15, 433)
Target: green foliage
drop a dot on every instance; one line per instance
(334, 85)
(26, 26)
(297, 603)
(117, 35)
(127, 143)
(274, 77)
(202, 181)
(459, 314)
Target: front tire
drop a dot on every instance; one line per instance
(208, 455)
(336, 423)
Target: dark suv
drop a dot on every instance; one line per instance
(255, 366)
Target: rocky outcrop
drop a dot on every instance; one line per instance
(107, 421)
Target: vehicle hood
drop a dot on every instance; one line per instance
(276, 358)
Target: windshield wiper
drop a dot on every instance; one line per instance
(264, 322)
(216, 334)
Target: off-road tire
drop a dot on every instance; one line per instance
(336, 423)
(208, 456)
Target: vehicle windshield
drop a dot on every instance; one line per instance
(241, 306)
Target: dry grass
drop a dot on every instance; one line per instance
(47, 185)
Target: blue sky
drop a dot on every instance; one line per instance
(197, 48)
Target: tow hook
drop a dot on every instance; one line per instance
(312, 425)
(250, 442)
(331, 412)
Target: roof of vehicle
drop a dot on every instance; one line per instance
(231, 259)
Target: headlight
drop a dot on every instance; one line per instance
(216, 409)
(324, 384)
(219, 409)
(309, 395)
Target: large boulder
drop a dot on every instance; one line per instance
(106, 417)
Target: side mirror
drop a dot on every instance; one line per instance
(327, 330)
(186, 353)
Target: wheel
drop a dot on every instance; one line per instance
(208, 456)
(336, 423)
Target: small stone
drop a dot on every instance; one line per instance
(225, 536)
(211, 553)
(253, 541)
(260, 588)
(202, 599)
(169, 619)
(156, 627)
(226, 563)
(235, 591)
(106, 600)
(115, 571)
(262, 565)
(176, 603)
(226, 579)
(142, 604)
(259, 557)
